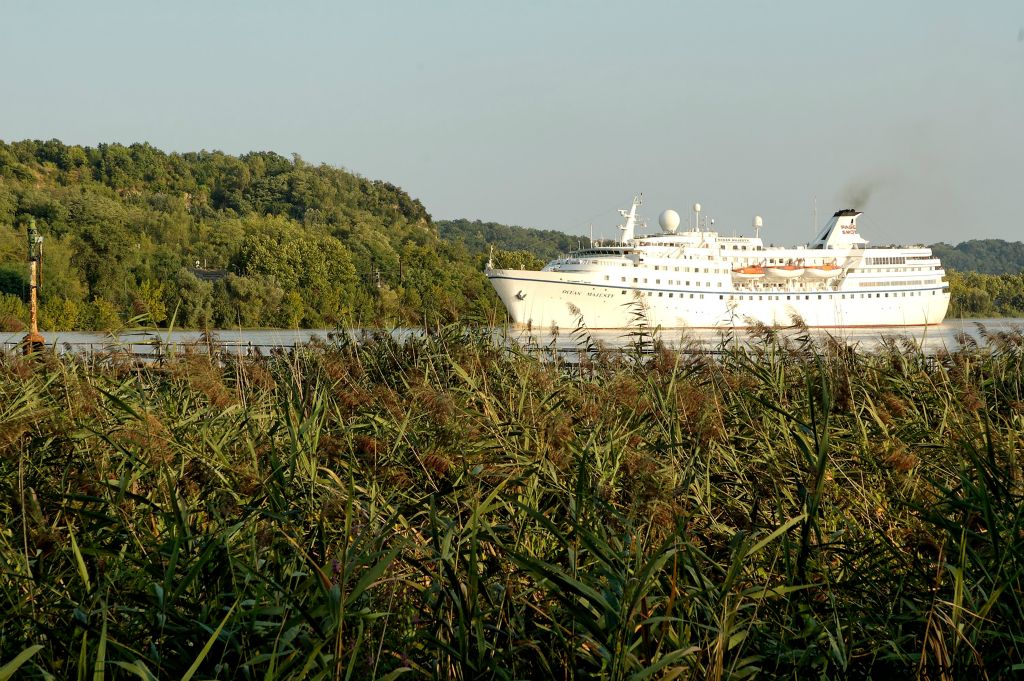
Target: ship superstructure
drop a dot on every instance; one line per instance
(699, 278)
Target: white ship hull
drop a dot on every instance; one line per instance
(544, 299)
(696, 279)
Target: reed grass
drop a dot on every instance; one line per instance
(444, 506)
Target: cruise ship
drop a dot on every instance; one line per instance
(699, 278)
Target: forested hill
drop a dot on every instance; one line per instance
(986, 256)
(278, 242)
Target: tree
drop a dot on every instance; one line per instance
(105, 316)
(13, 313)
(149, 300)
(193, 301)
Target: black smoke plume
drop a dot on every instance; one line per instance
(856, 194)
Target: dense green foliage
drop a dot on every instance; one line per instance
(985, 295)
(443, 507)
(478, 237)
(283, 243)
(987, 256)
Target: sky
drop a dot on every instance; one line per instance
(554, 114)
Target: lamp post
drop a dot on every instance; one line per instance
(33, 341)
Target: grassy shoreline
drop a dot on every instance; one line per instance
(442, 506)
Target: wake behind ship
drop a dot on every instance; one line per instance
(700, 279)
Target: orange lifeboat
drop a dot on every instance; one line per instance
(749, 273)
(789, 271)
(826, 271)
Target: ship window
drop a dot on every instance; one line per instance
(687, 282)
(702, 296)
(606, 277)
(623, 291)
(648, 294)
(670, 295)
(677, 269)
(623, 279)
(657, 281)
(720, 297)
(645, 280)
(634, 280)
(788, 297)
(691, 295)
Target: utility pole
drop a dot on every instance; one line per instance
(33, 341)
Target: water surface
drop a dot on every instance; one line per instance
(242, 341)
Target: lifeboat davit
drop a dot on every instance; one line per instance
(748, 273)
(785, 271)
(823, 271)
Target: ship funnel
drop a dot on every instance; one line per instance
(840, 231)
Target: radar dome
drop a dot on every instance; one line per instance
(669, 221)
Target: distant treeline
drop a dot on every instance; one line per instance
(276, 242)
(478, 237)
(986, 256)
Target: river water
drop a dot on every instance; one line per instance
(929, 339)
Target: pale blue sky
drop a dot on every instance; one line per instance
(552, 114)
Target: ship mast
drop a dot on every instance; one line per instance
(629, 228)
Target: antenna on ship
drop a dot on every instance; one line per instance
(696, 209)
(758, 222)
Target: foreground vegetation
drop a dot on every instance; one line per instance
(449, 507)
